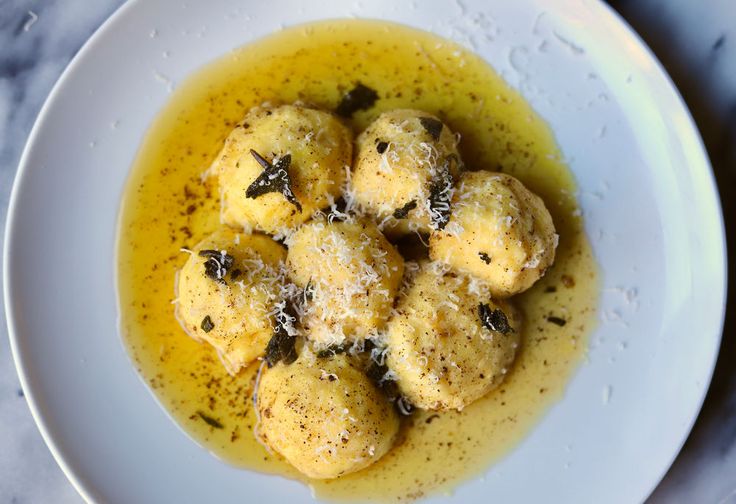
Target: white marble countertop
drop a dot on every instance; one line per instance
(696, 41)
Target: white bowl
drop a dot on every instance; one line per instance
(646, 190)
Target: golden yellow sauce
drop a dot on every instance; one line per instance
(168, 206)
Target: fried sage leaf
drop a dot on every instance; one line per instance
(331, 351)
(274, 178)
(361, 97)
(217, 265)
(282, 345)
(494, 319)
(378, 374)
(308, 293)
(432, 126)
(403, 212)
(440, 194)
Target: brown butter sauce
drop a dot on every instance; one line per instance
(167, 206)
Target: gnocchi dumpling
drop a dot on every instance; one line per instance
(226, 291)
(499, 231)
(404, 169)
(280, 165)
(324, 415)
(350, 273)
(449, 343)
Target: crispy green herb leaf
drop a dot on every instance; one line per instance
(369, 345)
(282, 345)
(377, 373)
(331, 351)
(308, 294)
(401, 213)
(381, 147)
(207, 324)
(212, 422)
(274, 178)
(361, 97)
(494, 320)
(217, 264)
(432, 126)
(484, 257)
(440, 194)
(556, 320)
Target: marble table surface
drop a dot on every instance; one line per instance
(696, 41)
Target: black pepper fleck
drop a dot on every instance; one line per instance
(556, 320)
(431, 417)
(212, 422)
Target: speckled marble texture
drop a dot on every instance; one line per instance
(696, 40)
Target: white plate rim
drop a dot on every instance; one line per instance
(79, 482)
(723, 266)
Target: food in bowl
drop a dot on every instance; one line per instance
(310, 193)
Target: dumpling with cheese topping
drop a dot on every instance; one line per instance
(404, 170)
(280, 165)
(498, 231)
(449, 342)
(226, 290)
(324, 415)
(350, 273)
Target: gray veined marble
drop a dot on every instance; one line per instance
(37, 40)
(696, 40)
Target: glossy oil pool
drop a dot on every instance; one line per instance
(168, 206)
